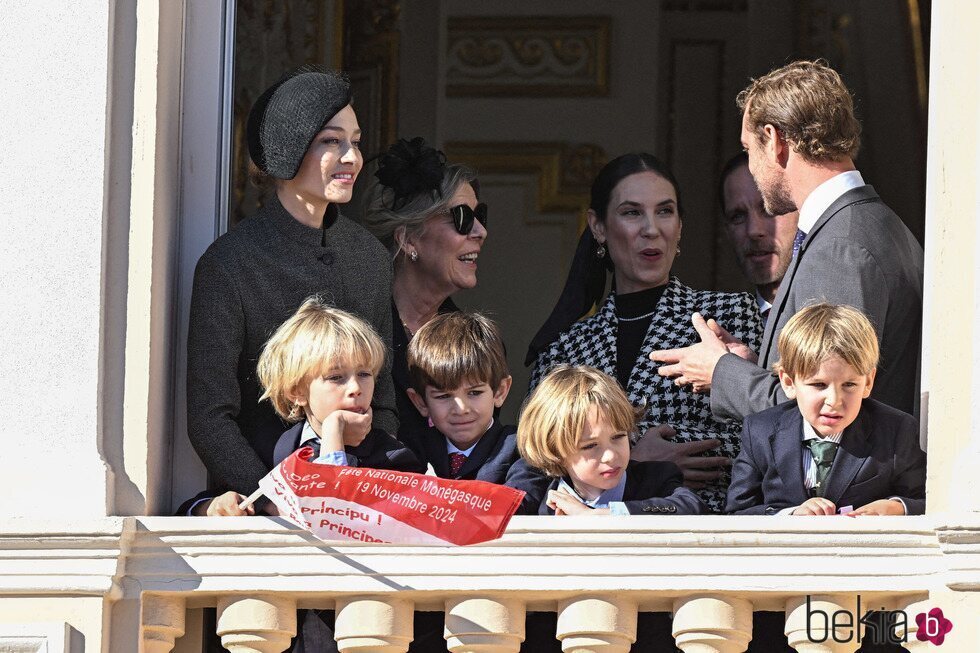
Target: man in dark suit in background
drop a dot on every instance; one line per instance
(762, 242)
(801, 136)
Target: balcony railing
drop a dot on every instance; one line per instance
(711, 573)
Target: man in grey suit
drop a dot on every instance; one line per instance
(801, 136)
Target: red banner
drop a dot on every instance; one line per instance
(380, 505)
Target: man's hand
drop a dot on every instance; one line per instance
(733, 344)
(697, 470)
(816, 506)
(693, 365)
(225, 505)
(879, 507)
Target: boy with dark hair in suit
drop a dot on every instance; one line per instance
(833, 450)
(458, 374)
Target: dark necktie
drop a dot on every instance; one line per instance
(798, 241)
(456, 461)
(765, 316)
(823, 452)
(315, 443)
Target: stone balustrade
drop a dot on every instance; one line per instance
(710, 573)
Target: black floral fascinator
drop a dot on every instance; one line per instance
(409, 168)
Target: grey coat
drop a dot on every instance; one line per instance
(247, 283)
(858, 253)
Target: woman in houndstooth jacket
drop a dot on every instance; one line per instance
(634, 230)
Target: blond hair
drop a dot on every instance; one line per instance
(456, 347)
(809, 104)
(823, 330)
(555, 414)
(316, 338)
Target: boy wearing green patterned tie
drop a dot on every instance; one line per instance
(832, 450)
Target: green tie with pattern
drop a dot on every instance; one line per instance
(823, 452)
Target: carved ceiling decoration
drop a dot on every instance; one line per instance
(520, 56)
(564, 172)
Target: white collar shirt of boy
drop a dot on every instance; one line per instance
(611, 498)
(452, 448)
(336, 458)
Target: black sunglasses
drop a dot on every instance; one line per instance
(463, 217)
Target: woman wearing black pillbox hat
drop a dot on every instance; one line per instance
(303, 135)
(304, 138)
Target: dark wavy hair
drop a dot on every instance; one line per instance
(586, 280)
(619, 169)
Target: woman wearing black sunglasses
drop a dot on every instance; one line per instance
(426, 212)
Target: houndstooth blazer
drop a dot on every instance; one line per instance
(592, 341)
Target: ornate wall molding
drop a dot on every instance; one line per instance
(564, 172)
(520, 56)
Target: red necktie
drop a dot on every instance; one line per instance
(456, 461)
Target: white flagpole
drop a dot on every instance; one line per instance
(252, 498)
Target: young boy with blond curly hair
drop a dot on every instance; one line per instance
(318, 370)
(575, 427)
(833, 450)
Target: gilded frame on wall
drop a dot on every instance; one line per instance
(527, 56)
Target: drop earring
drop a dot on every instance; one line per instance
(600, 251)
(414, 256)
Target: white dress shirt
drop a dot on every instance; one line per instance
(820, 199)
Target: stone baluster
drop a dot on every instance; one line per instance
(161, 622)
(596, 624)
(707, 623)
(484, 625)
(366, 624)
(256, 624)
(810, 626)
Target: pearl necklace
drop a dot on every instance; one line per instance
(637, 318)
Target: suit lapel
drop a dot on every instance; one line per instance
(643, 377)
(851, 456)
(786, 443)
(434, 444)
(855, 195)
(481, 452)
(634, 489)
(607, 333)
(287, 443)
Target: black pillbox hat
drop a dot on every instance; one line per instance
(286, 117)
